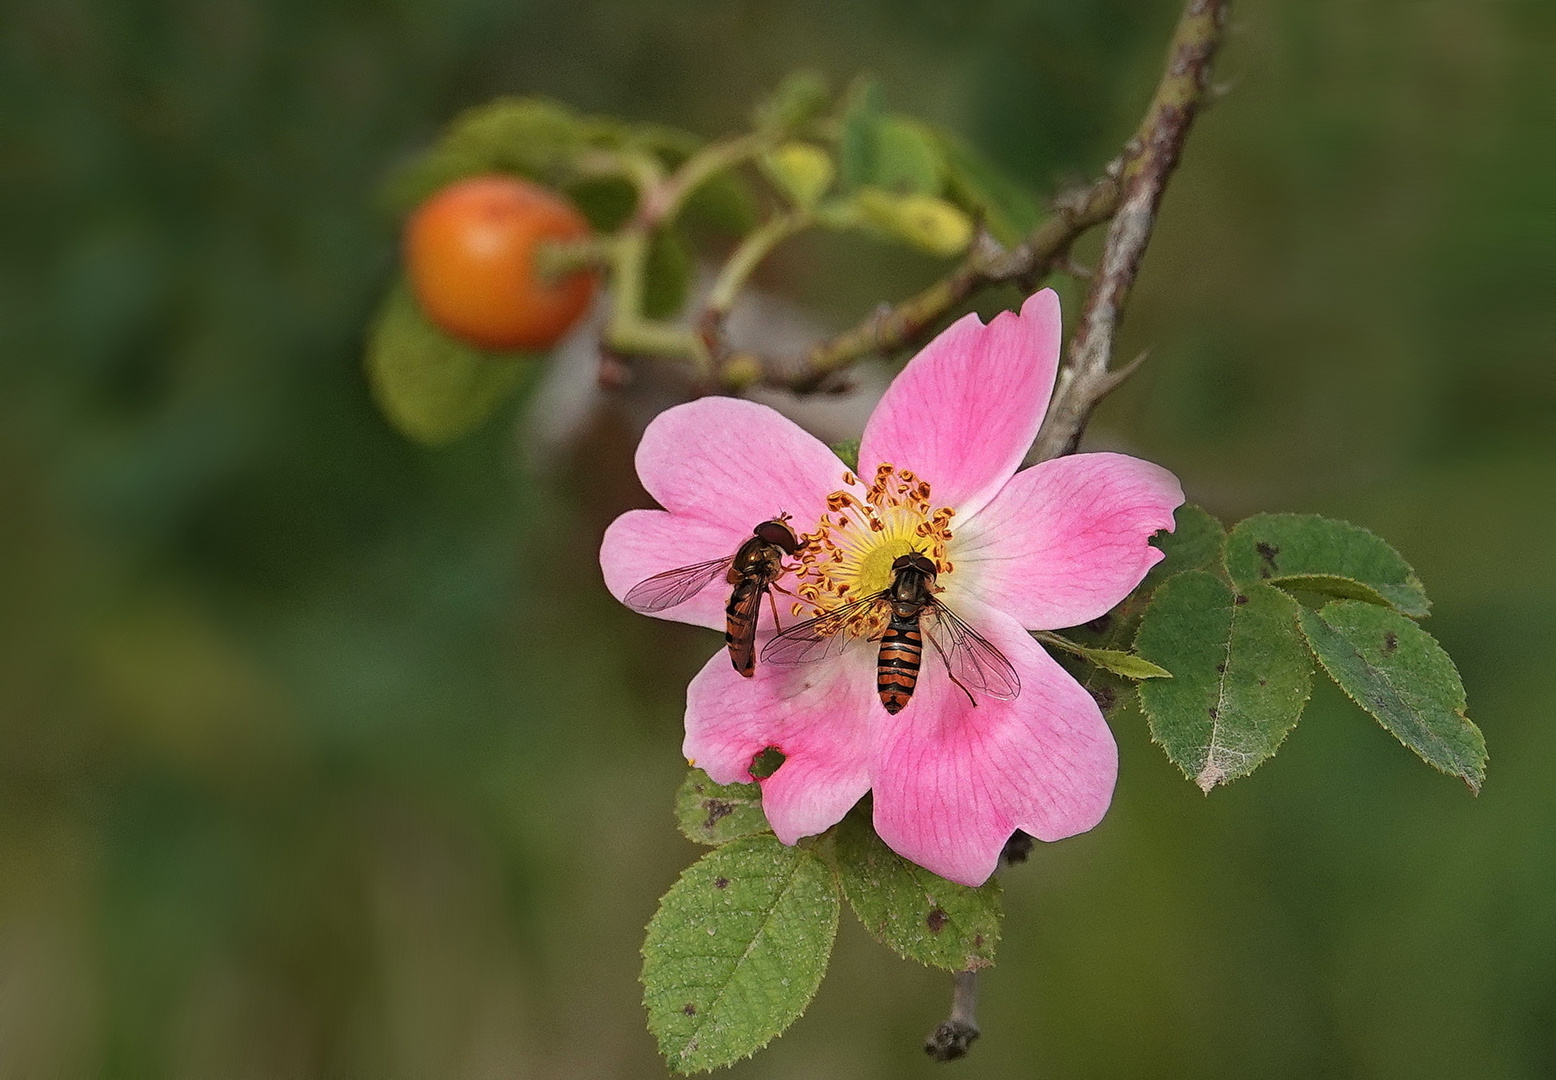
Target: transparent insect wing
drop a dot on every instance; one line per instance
(674, 587)
(820, 638)
(970, 657)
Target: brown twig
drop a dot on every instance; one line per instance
(1129, 192)
(896, 326)
(1153, 154)
(956, 1033)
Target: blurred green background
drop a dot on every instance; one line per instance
(324, 755)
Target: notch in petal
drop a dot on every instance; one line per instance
(1067, 539)
(965, 410)
(820, 718)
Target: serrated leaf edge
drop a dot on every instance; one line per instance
(1472, 782)
(800, 856)
(1223, 778)
(1412, 580)
(972, 963)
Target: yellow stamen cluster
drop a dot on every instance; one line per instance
(849, 556)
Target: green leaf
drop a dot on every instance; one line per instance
(1240, 674)
(531, 137)
(894, 153)
(736, 951)
(907, 158)
(1117, 661)
(1007, 210)
(1397, 672)
(928, 223)
(801, 171)
(848, 453)
(801, 97)
(429, 385)
(607, 202)
(667, 273)
(917, 914)
(1194, 544)
(859, 144)
(710, 813)
(1318, 554)
(724, 202)
(670, 144)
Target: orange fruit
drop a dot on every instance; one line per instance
(470, 253)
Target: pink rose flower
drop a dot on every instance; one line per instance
(1047, 547)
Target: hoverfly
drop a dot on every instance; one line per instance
(972, 662)
(753, 570)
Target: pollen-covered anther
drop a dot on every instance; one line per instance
(850, 554)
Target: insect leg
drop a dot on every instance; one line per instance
(774, 604)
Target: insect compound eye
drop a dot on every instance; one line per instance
(914, 559)
(778, 534)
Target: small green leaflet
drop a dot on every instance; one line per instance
(801, 171)
(1398, 673)
(532, 137)
(667, 273)
(431, 387)
(725, 202)
(897, 154)
(860, 135)
(736, 950)
(1317, 554)
(1241, 674)
(710, 813)
(924, 221)
(979, 187)
(799, 98)
(917, 914)
(907, 158)
(1115, 660)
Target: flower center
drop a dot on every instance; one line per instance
(850, 554)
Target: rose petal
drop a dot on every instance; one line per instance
(736, 462)
(965, 410)
(818, 715)
(1065, 540)
(953, 780)
(642, 543)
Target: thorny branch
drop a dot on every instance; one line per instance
(896, 326)
(1129, 193)
(1132, 192)
(1152, 155)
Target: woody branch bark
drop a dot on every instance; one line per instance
(1129, 192)
(1134, 183)
(899, 325)
(1152, 155)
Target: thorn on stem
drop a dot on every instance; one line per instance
(1113, 378)
(1066, 265)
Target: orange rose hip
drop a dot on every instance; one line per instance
(470, 253)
